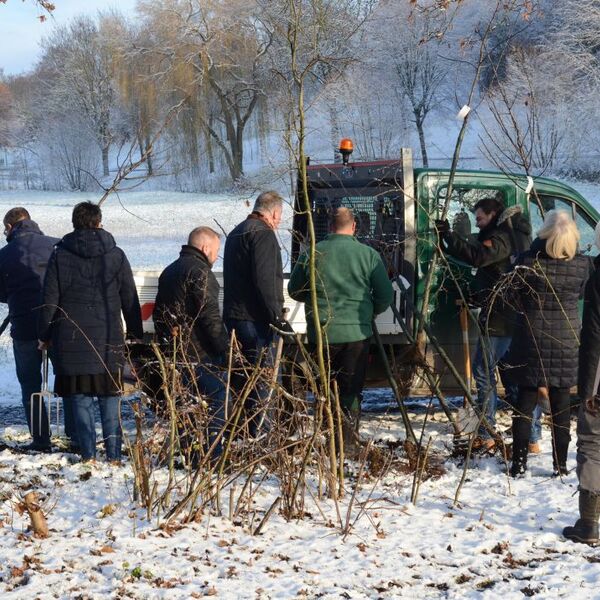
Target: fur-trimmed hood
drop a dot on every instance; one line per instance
(513, 217)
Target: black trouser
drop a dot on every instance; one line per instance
(561, 422)
(348, 364)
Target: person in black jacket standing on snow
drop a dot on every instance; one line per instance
(88, 285)
(585, 529)
(548, 282)
(253, 277)
(188, 303)
(23, 263)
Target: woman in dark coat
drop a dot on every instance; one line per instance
(88, 284)
(585, 529)
(549, 281)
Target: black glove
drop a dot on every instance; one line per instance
(442, 227)
(284, 327)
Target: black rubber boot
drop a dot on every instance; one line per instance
(560, 449)
(519, 457)
(585, 530)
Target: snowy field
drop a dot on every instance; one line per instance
(149, 226)
(502, 539)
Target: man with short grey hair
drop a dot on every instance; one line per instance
(253, 282)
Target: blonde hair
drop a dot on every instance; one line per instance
(561, 235)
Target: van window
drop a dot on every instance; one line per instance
(584, 222)
(548, 203)
(585, 225)
(460, 217)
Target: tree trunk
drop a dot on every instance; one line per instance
(105, 171)
(421, 132)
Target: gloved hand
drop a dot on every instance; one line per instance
(284, 327)
(442, 227)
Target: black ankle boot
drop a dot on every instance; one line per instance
(585, 530)
(519, 457)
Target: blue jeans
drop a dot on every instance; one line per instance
(255, 341)
(485, 380)
(209, 380)
(28, 363)
(85, 424)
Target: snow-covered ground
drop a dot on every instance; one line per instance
(502, 539)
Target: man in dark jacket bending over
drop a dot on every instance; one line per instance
(352, 288)
(188, 302)
(23, 262)
(253, 301)
(503, 233)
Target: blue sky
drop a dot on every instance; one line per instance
(21, 31)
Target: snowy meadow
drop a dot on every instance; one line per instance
(500, 539)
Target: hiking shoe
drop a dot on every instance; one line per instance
(484, 444)
(535, 448)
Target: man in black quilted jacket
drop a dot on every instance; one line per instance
(253, 277)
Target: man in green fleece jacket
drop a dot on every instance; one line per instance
(352, 287)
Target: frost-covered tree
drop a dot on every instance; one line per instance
(214, 51)
(82, 63)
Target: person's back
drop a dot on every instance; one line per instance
(253, 294)
(188, 299)
(352, 287)
(23, 263)
(88, 284)
(252, 273)
(94, 285)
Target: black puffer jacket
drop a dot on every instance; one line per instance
(492, 254)
(23, 263)
(546, 340)
(188, 298)
(253, 273)
(589, 350)
(87, 285)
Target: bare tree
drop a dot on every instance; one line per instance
(82, 64)
(414, 56)
(216, 52)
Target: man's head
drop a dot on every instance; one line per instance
(342, 221)
(206, 240)
(486, 211)
(270, 206)
(13, 216)
(86, 215)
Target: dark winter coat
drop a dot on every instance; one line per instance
(188, 298)
(544, 349)
(491, 253)
(589, 350)
(87, 285)
(253, 273)
(23, 263)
